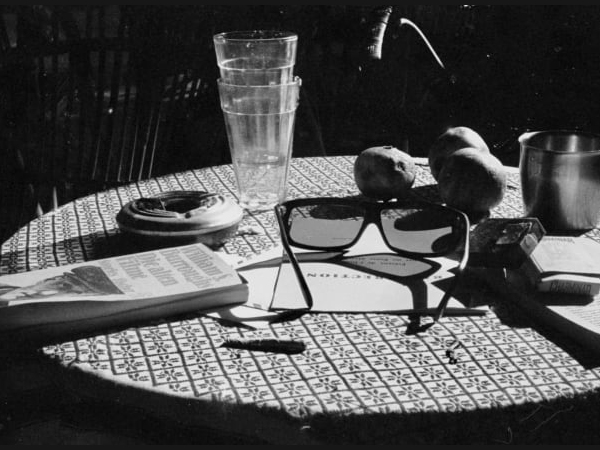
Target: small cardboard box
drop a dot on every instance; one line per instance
(504, 243)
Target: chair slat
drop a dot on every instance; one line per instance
(105, 100)
(124, 135)
(98, 117)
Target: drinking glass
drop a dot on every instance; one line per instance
(260, 126)
(258, 57)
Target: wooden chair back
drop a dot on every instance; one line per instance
(95, 96)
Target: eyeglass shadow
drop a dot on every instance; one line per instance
(417, 270)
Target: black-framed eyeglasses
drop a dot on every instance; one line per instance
(413, 229)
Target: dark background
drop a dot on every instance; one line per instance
(508, 69)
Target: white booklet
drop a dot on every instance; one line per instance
(373, 282)
(260, 273)
(368, 278)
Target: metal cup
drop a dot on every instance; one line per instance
(560, 178)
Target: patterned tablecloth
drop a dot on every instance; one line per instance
(361, 378)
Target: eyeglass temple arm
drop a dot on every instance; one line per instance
(441, 309)
(293, 260)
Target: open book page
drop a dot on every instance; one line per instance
(577, 316)
(368, 278)
(573, 255)
(166, 273)
(585, 312)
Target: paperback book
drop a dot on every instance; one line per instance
(565, 264)
(570, 312)
(86, 297)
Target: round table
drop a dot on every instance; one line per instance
(362, 378)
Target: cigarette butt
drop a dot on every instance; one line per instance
(266, 345)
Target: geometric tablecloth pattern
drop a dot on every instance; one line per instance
(354, 364)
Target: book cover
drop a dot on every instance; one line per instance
(565, 264)
(117, 291)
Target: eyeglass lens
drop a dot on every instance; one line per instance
(415, 230)
(422, 231)
(325, 225)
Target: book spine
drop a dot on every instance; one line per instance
(566, 286)
(531, 270)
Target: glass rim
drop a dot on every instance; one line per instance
(296, 82)
(255, 36)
